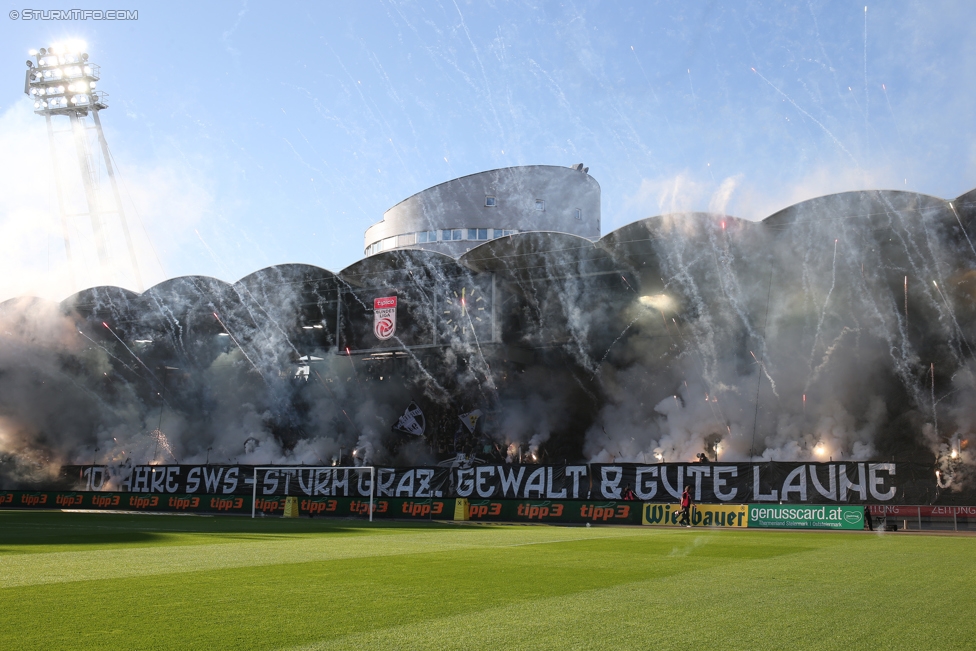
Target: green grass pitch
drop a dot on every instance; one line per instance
(112, 581)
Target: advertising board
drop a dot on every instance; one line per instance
(702, 515)
(797, 516)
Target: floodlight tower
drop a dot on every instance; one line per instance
(61, 81)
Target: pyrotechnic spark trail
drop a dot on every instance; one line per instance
(815, 120)
(353, 365)
(237, 343)
(953, 317)
(935, 415)
(130, 352)
(331, 393)
(210, 251)
(481, 353)
(906, 300)
(856, 103)
(823, 311)
(755, 419)
(107, 352)
(867, 99)
(653, 94)
(963, 228)
(893, 119)
(613, 343)
(161, 440)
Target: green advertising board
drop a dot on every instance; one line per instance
(798, 516)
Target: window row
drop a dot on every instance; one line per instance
(540, 205)
(445, 235)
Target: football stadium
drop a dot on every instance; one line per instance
(503, 427)
(382, 457)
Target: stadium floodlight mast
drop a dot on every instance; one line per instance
(327, 469)
(61, 81)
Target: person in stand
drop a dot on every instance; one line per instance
(867, 517)
(629, 494)
(685, 518)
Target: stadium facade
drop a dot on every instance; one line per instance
(838, 328)
(456, 216)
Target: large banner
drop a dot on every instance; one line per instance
(710, 483)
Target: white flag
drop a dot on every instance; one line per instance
(412, 421)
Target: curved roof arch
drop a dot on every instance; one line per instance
(378, 267)
(177, 298)
(290, 278)
(512, 168)
(870, 204)
(287, 273)
(964, 207)
(639, 231)
(637, 239)
(99, 293)
(967, 198)
(174, 286)
(534, 254)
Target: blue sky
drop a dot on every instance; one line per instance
(251, 134)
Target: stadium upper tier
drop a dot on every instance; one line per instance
(455, 216)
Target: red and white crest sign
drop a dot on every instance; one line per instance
(384, 317)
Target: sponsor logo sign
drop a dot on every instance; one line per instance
(702, 515)
(554, 511)
(903, 511)
(795, 516)
(384, 317)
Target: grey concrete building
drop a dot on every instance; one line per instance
(455, 216)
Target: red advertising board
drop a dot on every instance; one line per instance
(905, 511)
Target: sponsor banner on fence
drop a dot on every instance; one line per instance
(702, 515)
(238, 504)
(115, 501)
(597, 512)
(710, 483)
(903, 511)
(793, 516)
(505, 510)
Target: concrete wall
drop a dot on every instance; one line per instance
(460, 204)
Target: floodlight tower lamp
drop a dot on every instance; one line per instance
(64, 82)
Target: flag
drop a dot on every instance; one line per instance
(470, 419)
(412, 421)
